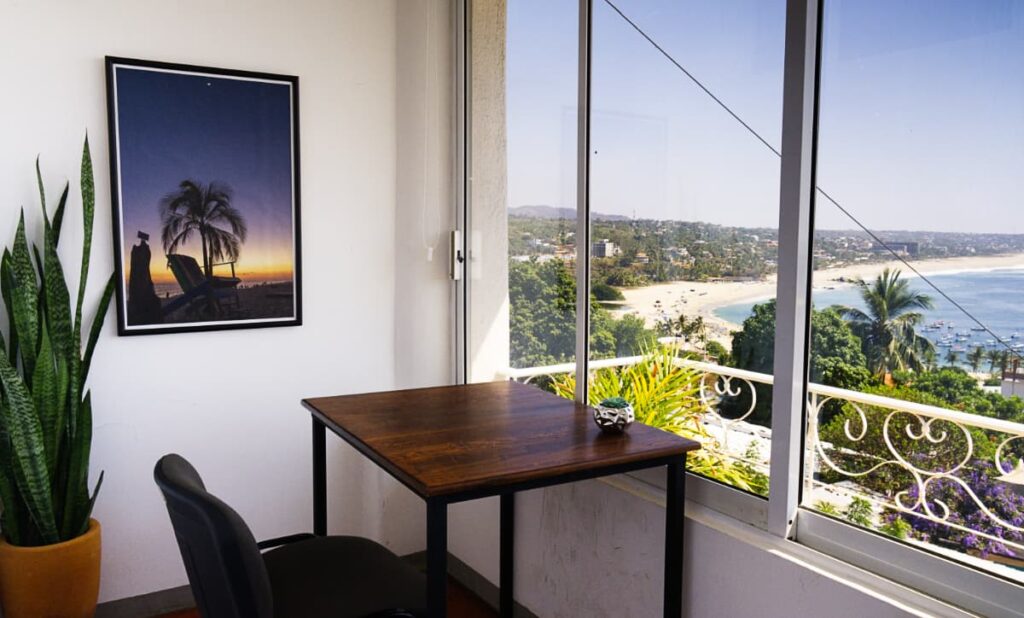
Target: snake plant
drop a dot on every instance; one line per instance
(45, 409)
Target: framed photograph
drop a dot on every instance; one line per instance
(204, 167)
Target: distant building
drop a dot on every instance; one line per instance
(908, 248)
(1013, 384)
(605, 249)
(641, 258)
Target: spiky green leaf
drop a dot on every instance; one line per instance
(58, 299)
(58, 215)
(23, 297)
(10, 511)
(97, 327)
(45, 398)
(76, 499)
(39, 181)
(29, 451)
(6, 285)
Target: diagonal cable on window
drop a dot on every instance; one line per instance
(821, 191)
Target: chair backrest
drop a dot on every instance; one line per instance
(225, 568)
(186, 270)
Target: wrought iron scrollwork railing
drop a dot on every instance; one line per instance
(905, 438)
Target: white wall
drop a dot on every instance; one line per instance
(229, 401)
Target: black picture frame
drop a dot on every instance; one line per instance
(206, 305)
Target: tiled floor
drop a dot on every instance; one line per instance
(461, 604)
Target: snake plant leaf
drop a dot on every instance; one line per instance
(58, 300)
(23, 297)
(10, 514)
(91, 504)
(76, 498)
(88, 211)
(29, 459)
(6, 285)
(39, 181)
(58, 215)
(97, 326)
(45, 397)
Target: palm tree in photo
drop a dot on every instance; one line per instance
(952, 357)
(206, 211)
(975, 357)
(888, 327)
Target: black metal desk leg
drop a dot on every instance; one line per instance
(507, 552)
(437, 558)
(319, 478)
(675, 495)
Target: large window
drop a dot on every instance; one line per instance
(796, 223)
(684, 220)
(919, 278)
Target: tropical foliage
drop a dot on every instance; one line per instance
(46, 410)
(836, 356)
(888, 327)
(542, 318)
(999, 498)
(665, 394)
(206, 210)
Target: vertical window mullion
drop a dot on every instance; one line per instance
(583, 204)
(463, 57)
(795, 228)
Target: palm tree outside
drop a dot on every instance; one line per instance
(888, 326)
(975, 357)
(206, 211)
(952, 358)
(992, 356)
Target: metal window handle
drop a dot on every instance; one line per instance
(456, 259)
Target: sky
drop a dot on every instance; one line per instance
(921, 111)
(175, 126)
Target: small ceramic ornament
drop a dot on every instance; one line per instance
(613, 415)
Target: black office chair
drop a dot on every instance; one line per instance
(304, 576)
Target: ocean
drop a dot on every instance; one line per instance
(995, 297)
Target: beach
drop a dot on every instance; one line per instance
(701, 298)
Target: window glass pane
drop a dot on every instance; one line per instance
(684, 217)
(522, 246)
(919, 276)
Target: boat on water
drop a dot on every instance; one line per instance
(978, 328)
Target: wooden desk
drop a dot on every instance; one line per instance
(454, 443)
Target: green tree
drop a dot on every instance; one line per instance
(952, 357)
(975, 357)
(992, 356)
(603, 291)
(205, 210)
(836, 355)
(542, 318)
(632, 337)
(888, 328)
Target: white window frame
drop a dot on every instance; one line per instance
(780, 514)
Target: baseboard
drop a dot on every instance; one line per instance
(176, 599)
(472, 581)
(148, 605)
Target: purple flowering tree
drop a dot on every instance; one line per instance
(998, 497)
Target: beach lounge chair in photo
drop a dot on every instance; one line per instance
(198, 288)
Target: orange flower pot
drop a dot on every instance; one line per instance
(60, 580)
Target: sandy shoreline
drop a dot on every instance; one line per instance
(693, 298)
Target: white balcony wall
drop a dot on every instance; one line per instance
(375, 307)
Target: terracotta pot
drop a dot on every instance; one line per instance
(60, 580)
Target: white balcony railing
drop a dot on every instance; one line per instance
(902, 424)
